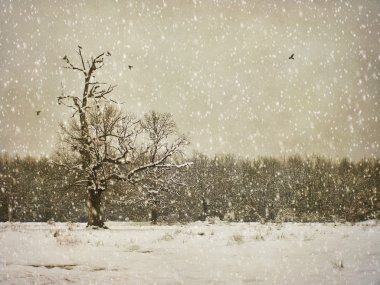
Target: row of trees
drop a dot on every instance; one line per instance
(310, 189)
(264, 189)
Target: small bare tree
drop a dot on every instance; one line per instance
(112, 145)
(161, 189)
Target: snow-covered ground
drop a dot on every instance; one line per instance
(197, 253)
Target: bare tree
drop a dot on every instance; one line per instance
(8, 184)
(162, 189)
(110, 144)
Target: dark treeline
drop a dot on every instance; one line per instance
(265, 189)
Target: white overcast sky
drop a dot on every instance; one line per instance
(220, 67)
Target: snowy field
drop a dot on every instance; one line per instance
(197, 253)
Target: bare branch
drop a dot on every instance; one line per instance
(81, 57)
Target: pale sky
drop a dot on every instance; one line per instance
(220, 67)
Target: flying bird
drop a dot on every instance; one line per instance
(79, 47)
(38, 112)
(292, 56)
(108, 53)
(130, 67)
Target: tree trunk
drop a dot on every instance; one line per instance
(154, 215)
(94, 209)
(10, 209)
(205, 209)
